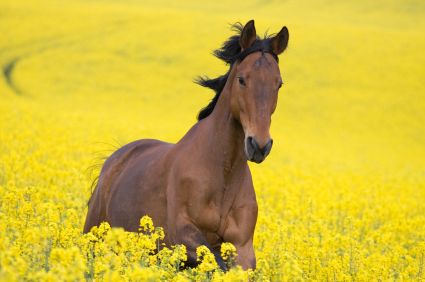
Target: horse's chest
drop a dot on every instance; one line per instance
(216, 207)
(209, 197)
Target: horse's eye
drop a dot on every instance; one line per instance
(241, 81)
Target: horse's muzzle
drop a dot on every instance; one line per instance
(253, 151)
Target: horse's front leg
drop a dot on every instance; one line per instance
(188, 234)
(240, 232)
(246, 256)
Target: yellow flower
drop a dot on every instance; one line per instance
(228, 253)
(341, 196)
(206, 259)
(146, 224)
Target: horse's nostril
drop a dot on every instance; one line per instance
(253, 143)
(269, 144)
(254, 151)
(267, 148)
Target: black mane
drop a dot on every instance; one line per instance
(230, 52)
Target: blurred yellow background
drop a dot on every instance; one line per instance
(342, 193)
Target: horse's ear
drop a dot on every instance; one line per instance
(248, 35)
(280, 41)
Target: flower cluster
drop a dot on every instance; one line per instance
(341, 195)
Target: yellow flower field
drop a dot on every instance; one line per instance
(341, 196)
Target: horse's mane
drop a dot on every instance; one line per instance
(230, 52)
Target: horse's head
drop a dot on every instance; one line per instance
(255, 86)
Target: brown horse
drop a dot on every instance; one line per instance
(200, 190)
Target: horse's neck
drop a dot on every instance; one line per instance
(228, 137)
(226, 132)
(219, 138)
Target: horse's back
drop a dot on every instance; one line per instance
(120, 176)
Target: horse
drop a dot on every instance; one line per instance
(200, 190)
